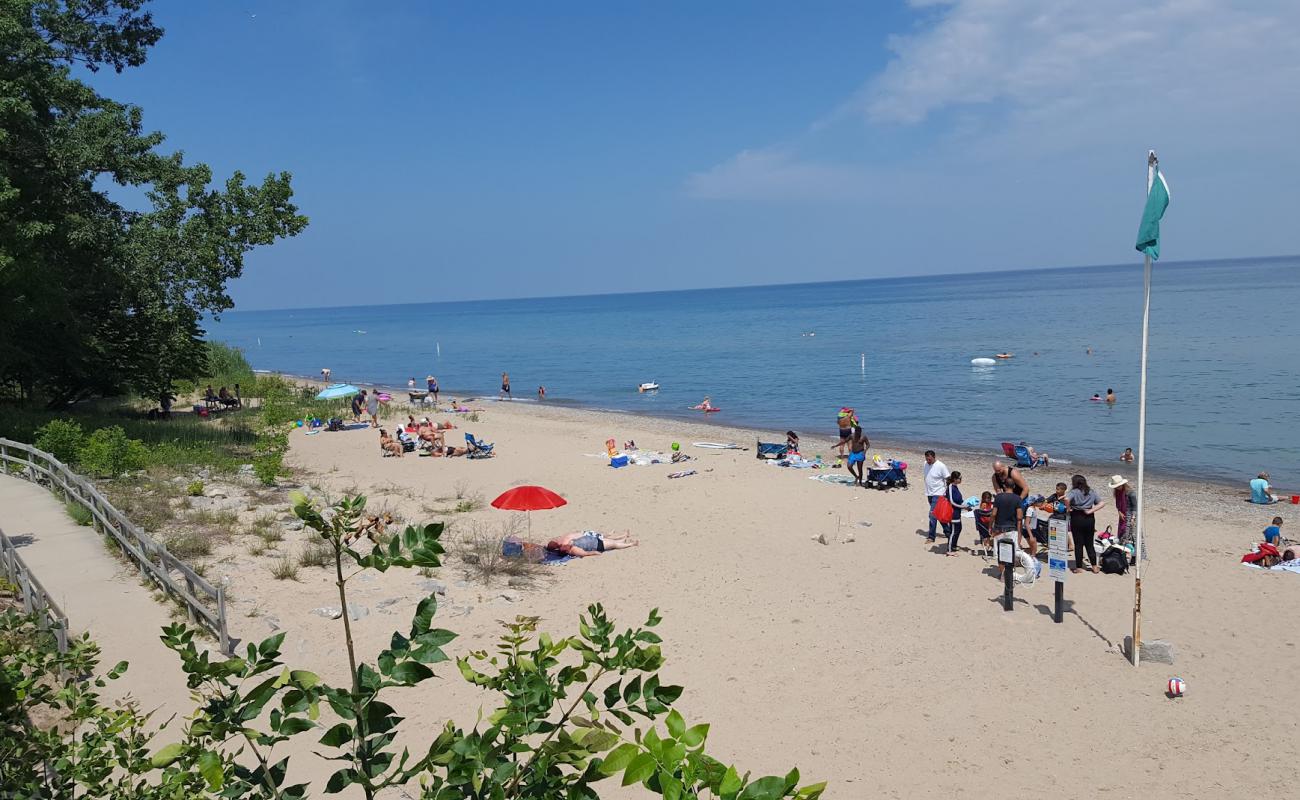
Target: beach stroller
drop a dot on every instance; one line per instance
(772, 450)
(1023, 459)
(477, 448)
(887, 475)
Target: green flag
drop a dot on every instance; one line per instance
(1148, 240)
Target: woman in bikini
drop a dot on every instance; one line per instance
(589, 543)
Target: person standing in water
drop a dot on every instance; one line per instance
(505, 385)
(1110, 396)
(541, 393)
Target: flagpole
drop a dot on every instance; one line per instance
(1135, 655)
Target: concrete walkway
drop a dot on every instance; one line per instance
(99, 593)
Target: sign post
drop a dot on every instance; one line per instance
(1058, 560)
(1007, 558)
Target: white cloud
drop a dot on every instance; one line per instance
(1017, 80)
(774, 173)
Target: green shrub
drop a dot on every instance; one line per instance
(268, 455)
(79, 513)
(61, 438)
(195, 489)
(284, 570)
(108, 453)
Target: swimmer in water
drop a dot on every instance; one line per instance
(1096, 398)
(1110, 396)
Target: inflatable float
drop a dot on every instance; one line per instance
(648, 387)
(982, 362)
(1004, 355)
(709, 410)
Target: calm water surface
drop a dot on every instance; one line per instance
(1224, 373)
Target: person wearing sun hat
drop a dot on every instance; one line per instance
(1125, 504)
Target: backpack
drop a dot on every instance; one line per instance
(1114, 561)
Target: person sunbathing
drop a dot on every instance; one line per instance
(389, 445)
(449, 451)
(589, 543)
(430, 436)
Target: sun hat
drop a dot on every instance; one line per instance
(1116, 481)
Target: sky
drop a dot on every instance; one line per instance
(457, 150)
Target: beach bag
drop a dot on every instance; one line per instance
(942, 510)
(1114, 561)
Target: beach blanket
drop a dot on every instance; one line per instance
(1289, 566)
(831, 477)
(644, 458)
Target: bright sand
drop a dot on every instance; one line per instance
(876, 664)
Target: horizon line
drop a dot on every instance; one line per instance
(1011, 270)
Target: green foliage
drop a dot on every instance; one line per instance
(61, 438)
(570, 712)
(109, 453)
(101, 297)
(79, 513)
(195, 488)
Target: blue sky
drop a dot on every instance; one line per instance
(448, 151)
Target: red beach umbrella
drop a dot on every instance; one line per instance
(528, 498)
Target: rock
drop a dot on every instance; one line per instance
(433, 586)
(328, 612)
(296, 525)
(180, 480)
(519, 583)
(1159, 651)
(204, 473)
(386, 603)
(509, 596)
(357, 612)
(245, 469)
(216, 491)
(462, 584)
(820, 538)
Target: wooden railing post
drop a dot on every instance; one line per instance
(223, 637)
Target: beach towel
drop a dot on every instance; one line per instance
(1289, 566)
(830, 477)
(682, 474)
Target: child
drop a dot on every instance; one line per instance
(984, 516)
(1273, 533)
(792, 441)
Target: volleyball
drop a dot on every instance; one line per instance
(1177, 687)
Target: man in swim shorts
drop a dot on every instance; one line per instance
(858, 445)
(844, 422)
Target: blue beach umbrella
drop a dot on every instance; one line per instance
(337, 390)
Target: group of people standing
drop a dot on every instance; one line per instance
(1001, 512)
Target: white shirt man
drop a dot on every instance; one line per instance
(934, 478)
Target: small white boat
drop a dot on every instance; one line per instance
(648, 387)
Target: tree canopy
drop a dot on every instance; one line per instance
(97, 297)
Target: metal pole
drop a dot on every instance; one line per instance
(1142, 462)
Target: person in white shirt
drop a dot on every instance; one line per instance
(935, 480)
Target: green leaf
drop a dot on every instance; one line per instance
(167, 755)
(341, 780)
(695, 735)
(304, 679)
(619, 758)
(410, 673)
(211, 769)
(769, 788)
(293, 725)
(337, 736)
(811, 791)
(670, 785)
(676, 725)
(730, 783)
(640, 768)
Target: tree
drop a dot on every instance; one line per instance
(97, 297)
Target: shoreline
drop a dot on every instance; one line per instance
(813, 443)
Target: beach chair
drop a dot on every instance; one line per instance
(1009, 449)
(1021, 453)
(477, 448)
(418, 398)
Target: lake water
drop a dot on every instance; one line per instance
(1224, 373)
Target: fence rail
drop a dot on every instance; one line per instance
(204, 604)
(35, 599)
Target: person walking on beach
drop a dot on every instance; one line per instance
(505, 386)
(358, 403)
(372, 408)
(952, 530)
(1083, 503)
(1008, 520)
(858, 445)
(935, 479)
(845, 421)
(432, 384)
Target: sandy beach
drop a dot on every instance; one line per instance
(870, 661)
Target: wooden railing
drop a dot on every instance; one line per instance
(204, 604)
(35, 599)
